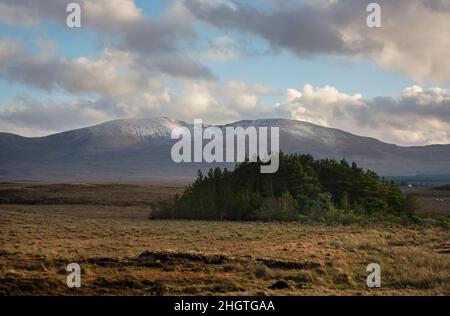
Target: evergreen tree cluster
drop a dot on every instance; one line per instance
(302, 188)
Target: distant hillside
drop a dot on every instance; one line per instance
(139, 150)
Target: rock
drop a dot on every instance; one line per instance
(280, 285)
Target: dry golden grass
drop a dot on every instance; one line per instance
(38, 241)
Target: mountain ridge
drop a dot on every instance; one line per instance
(248, 122)
(139, 150)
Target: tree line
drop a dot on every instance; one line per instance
(303, 188)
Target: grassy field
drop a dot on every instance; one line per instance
(433, 202)
(105, 228)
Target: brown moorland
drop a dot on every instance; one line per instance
(105, 228)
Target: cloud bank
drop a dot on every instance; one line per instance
(416, 117)
(148, 67)
(413, 40)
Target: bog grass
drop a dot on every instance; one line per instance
(37, 241)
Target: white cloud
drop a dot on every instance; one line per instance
(149, 72)
(113, 73)
(112, 11)
(413, 40)
(213, 102)
(417, 117)
(156, 42)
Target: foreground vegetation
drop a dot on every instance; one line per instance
(121, 252)
(303, 189)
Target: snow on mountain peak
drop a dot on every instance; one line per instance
(141, 128)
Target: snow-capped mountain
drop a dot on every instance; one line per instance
(139, 128)
(140, 150)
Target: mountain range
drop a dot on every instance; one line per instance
(138, 150)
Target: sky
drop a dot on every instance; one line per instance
(224, 61)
